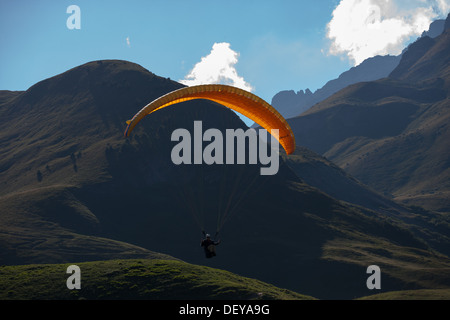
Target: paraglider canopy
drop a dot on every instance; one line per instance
(234, 98)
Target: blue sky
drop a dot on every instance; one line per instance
(276, 45)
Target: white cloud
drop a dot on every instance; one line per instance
(443, 6)
(128, 42)
(218, 67)
(364, 28)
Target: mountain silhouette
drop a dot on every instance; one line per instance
(391, 133)
(291, 104)
(74, 190)
(435, 29)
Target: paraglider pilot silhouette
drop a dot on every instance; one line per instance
(209, 246)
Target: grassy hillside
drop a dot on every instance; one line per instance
(134, 279)
(156, 280)
(323, 174)
(437, 294)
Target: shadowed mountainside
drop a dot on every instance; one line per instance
(391, 134)
(291, 104)
(74, 189)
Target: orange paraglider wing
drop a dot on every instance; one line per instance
(241, 101)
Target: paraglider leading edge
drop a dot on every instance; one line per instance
(234, 98)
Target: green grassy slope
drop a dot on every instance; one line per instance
(437, 294)
(134, 279)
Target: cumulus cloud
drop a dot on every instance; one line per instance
(128, 41)
(218, 67)
(364, 28)
(443, 6)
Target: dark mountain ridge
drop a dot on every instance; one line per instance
(291, 104)
(74, 189)
(391, 134)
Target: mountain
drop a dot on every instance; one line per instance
(391, 134)
(136, 279)
(436, 28)
(291, 104)
(75, 190)
(319, 172)
(438, 294)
